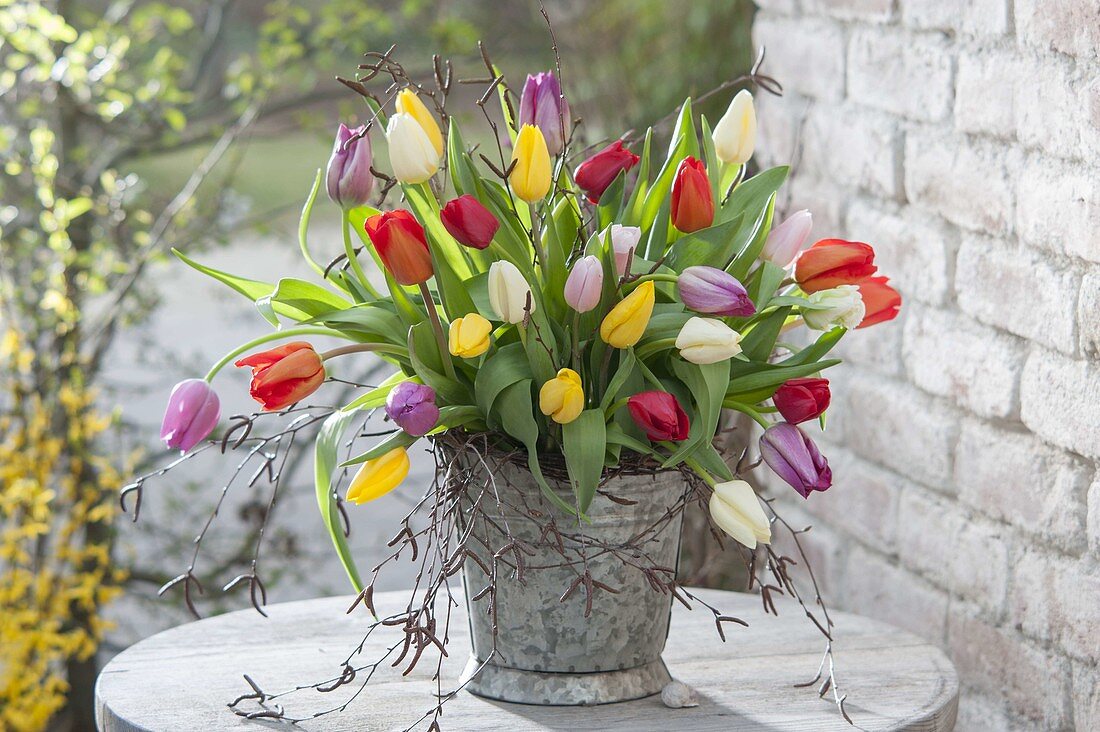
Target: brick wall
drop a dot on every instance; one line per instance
(962, 139)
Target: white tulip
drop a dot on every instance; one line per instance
(840, 307)
(624, 240)
(508, 292)
(735, 134)
(736, 509)
(413, 157)
(707, 340)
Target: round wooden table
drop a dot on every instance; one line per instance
(182, 679)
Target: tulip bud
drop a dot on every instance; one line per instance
(839, 307)
(399, 240)
(509, 293)
(413, 156)
(412, 407)
(348, 179)
(470, 223)
(706, 340)
(735, 134)
(469, 336)
(409, 103)
(794, 457)
(562, 398)
(880, 301)
(785, 241)
(627, 321)
(710, 290)
(692, 200)
(379, 476)
(543, 105)
(192, 414)
(736, 510)
(799, 400)
(530, 176)
(595, 174)
(832, 262)
(285, 375)
(584, 287)
(659, 415)
(624, 243)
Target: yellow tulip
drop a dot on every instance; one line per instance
(627, 321)
(469, 336)
(410, 104)
(530, 177)
(562, 398)
(379, 476)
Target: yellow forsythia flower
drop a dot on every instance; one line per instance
(469, 336)
(410, 104)
(530, 177)
(562, 398)
(379, 476)
(627, 321)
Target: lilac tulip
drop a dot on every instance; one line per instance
(710, 290)
(543, 105)
(348, 178)
(584, 285)
(412, 407)
(795, 458)
(192, 414)
(785, 241)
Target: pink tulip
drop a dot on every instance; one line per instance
(584, 286)
(192, 414)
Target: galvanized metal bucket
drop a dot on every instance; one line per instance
(592, 647)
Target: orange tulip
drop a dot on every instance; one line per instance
(833, 262)
(284, 375)
(881, 301)
(399, 240)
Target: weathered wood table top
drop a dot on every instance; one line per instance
(183, 678)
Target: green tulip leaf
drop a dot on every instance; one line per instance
(584, 441)
(324, 461)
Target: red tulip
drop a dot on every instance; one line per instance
(599, 171)
(692, 200)
(469, 222)
(659, 415)
(399, 240)
(284, 375)
(881, 301)
(833, 262)
(801, 399)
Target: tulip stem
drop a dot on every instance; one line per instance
(277, 335)
(746, 409)
(536, 238)
(698, 470)
(656, 277)
(437, 326)
(362, 348)
(353, 260)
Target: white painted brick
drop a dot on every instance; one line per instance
(1086, 696)
(882, 590)
(821, 199)
(877, 349)
(966, 183)
(826, 550)
(1068, 26)
(1058, 107)
(972, 17)
(1011, 476)
(1058, 207)
(905, 74)
(1053, 599)
(806, 55)
(1088, 313)
(874, 11)
(903, 428)
(985, 93)
(1093, 520)
(780, 128)
(853, 147)
(1060, 401)
(1019, 290)
(974, 366)
(980, 712)
(916, 252)
(781, 7)
(1000, 662)
(863, 501)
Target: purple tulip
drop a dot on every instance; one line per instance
(795, 458)
(543, 105)
(348, 178)
(192, 414)
(785, 241)
(412, 407)
(584, 285)
(710, 290)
